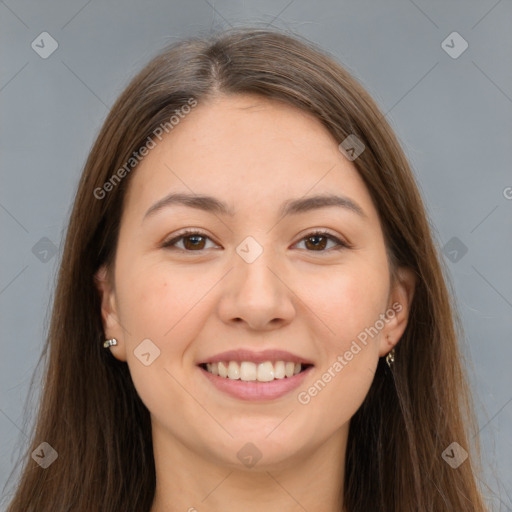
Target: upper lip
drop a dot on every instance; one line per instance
(255, 357)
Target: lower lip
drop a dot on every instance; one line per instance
(255, 390)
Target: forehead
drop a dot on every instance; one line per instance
(245, 148)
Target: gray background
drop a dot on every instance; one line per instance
(452, 115)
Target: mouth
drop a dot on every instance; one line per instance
(252, 375)
(249, 371)
(261, 382)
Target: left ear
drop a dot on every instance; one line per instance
(399, 306)
(111, 326)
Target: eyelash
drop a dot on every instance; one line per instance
(191, 232)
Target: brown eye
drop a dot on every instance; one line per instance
(193, 241)
(317, 241)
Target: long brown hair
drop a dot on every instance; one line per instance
(90, 412)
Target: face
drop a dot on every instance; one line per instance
(251, 278)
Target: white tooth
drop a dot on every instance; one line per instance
(279, 372)
(289, 369)
(233, 370)
(266, 371)
(223, 369)
(248, 371)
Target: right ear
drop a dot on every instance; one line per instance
(109, 315)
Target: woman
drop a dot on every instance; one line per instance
(250, 310)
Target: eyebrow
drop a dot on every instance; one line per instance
(290, 207)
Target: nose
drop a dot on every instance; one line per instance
(257, 294)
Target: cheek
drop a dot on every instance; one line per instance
(160, 317)
(347, 301)
(350, 353)
(335, 396)
(155, 307)
(156, 304)
(349, 304)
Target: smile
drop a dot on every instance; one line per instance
(251, 381)
(249, 371)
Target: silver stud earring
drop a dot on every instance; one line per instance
(109, 343)
(390, 358)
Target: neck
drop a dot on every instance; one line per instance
(188, 480)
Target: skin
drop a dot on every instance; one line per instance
(253, 154)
